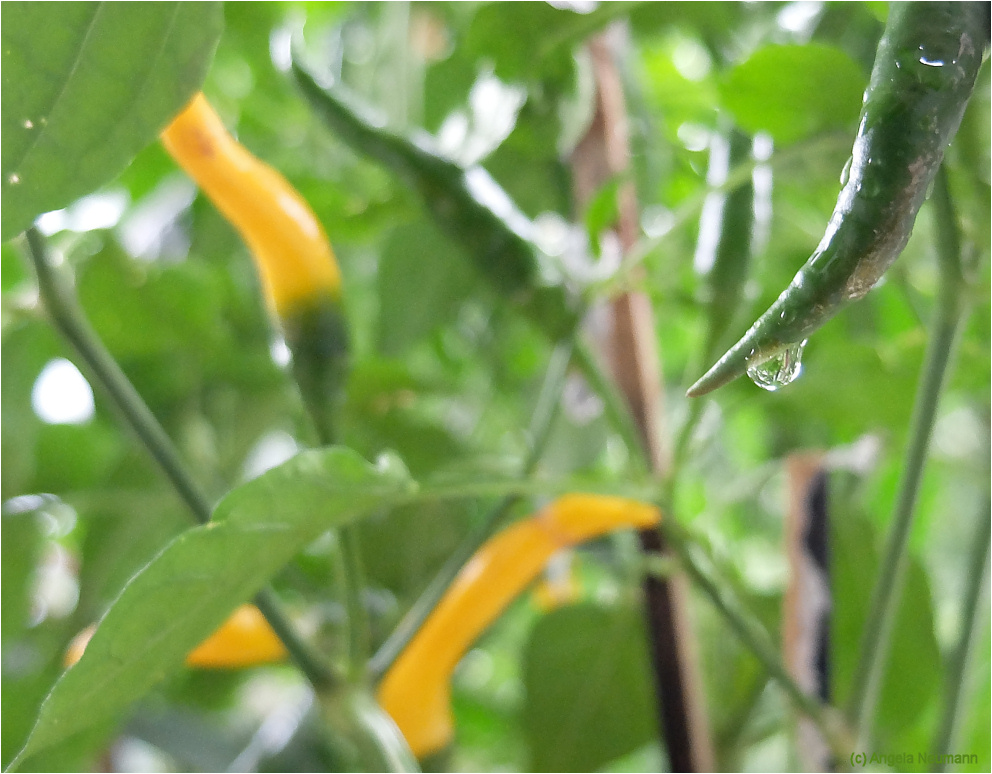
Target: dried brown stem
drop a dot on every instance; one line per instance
(603, 154)
(806, 613)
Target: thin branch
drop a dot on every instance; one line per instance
(617, 413)
(67, 316)
(947, 323)
(353, 577)
(754, 636)
(63, 309)
(352, 570)
(634, 363)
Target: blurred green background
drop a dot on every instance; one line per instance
(447, 375)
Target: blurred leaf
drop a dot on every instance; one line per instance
(31, 650)
(79, 752)
(74, 457)
(914, 649)
(156, 311)
(974, 731)
(21, 542)
(12, 270)
(712, 22)
(531, 41)
(27, 347)
(85, 87)
(446, 87)
(589, 696)
(534, 177)
(880, 10)
(116, 544)
(602, 211)
(186, 320)
(389, 408)
(189, 588)
(794, 91)
(422, 284)
(404, 549)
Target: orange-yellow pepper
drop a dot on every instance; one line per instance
(416, 691)
(244, 639)
(299, 274)
(288, 243)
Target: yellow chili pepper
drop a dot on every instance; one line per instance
(287, 241)
(243, 640)
(416, 691)
(300, 277)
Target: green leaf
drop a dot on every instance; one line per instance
(186, 592)
(588, 687)
(115, 545)
(602, 210)
(793, 91)
(85, 87)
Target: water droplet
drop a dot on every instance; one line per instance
(28, 123)
(14, 178)
(931, 62)
(778, 370)
(845, 173)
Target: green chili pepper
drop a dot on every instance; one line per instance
(465, 202)
(729, 255)
(925, 69)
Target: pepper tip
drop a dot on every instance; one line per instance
(719, 374)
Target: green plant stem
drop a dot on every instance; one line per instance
(683, 441)
(754, 636)
(977, 563)
(316, 669)
(617, 413)
(540, 430)
(947, 323)
(63, 308)
(353, 574)
(352, 578)
(68, 318)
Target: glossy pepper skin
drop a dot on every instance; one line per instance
(300, 276)
(465, 202)
(416, 691)
(245, 639)
(925, 70)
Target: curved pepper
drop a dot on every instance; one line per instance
(243, 640)
(416, 691)
(300, 277)
(925, 70)
(465, 202)
(287, 241)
